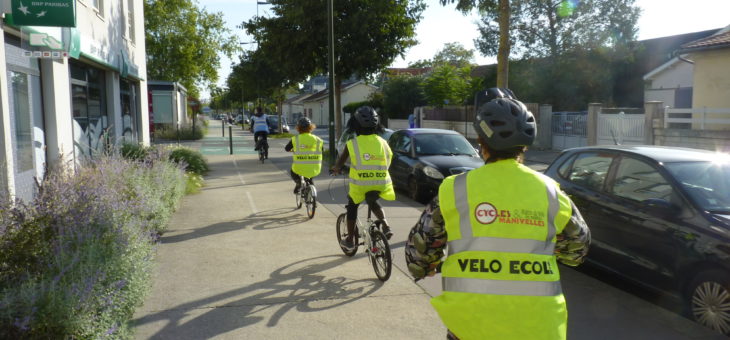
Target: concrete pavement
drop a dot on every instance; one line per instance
(239, 262)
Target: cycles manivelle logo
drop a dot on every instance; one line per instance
(485, 213)
(368, 157)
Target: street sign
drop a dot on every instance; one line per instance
(60, 13)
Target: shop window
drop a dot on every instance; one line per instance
(88, 104)
(23, 128)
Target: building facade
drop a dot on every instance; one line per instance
(68, 102)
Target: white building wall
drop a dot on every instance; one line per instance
(665, 83)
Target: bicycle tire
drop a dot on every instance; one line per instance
(298, 197)
(342, 234)
(311, 202)
(380, 255)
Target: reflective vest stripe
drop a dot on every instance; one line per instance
(370, 167)
(259, 121)
(502, 287)
(307, 162)
(499, 244)
(373, 182)
(356, 148)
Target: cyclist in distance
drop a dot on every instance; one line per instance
(506, 226)
(307, 150)
(260, 129)
(370, 158)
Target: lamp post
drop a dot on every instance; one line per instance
(331, 83)
(243, 100)
(257, 42)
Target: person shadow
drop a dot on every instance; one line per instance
(300, 286)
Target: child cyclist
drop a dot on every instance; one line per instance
(370, 157)
(307, 149)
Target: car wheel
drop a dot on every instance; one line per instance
(708, 300)
(415, 191)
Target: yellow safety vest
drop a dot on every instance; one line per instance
(370, 158)
(500, 279)
(307, 155)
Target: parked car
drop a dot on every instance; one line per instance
(222, 116)
(422, 158)
(348, 134)
(241, 119)
(659, 216)
(273, 121)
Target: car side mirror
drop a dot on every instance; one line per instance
(660, 207)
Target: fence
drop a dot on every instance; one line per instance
(700, 118)
(569, 129)
(623, 127)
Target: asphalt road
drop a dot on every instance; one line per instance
(600, 307)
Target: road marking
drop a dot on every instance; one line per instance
(250, 201)
(240, 177)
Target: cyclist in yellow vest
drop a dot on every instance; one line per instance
(504, 226)
(370, 158)
(307, 149)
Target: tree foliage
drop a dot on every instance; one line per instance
(401, 94)
(449, 85)
(455, 54)
(183, 42)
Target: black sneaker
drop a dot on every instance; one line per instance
(347, 245)
(387, 232)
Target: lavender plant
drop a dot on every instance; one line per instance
(75, 262)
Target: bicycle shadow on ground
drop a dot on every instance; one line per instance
(264, 220)
(299, 286)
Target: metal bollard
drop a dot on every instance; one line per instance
(223, 128)
(230, 137)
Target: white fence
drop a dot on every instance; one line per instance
(700, 118)
(620, 129)
(464, 128)
(568, 130)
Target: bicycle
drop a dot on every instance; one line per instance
(307, 195)
(263, 147)
(374, 241)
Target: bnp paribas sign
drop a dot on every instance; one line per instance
(60, 13)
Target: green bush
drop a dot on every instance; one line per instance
(185, 133)
(75, 262)
(133, 151)
(192, 160)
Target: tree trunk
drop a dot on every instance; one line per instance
(338, 107)
(504, 45)
(279, 108)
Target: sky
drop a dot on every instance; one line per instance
(443, 24)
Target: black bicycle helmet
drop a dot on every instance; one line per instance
(504, 122)
(366, 117)
(304, 122)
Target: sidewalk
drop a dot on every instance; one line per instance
(239, 262)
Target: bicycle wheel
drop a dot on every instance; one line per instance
(311, 200)
(261, 155)
(380, 255)
(298, 196)
(342, 234)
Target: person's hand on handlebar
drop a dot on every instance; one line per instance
(335, 170)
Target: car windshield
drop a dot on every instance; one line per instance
(707, 183)
(442, 144)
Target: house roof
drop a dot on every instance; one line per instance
(718, 40)
(298, 98)
(661, 68)
(413, 71)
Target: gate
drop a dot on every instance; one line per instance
(620, 128)
(569, 129)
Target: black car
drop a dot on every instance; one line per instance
(659, 216)
(422, 158)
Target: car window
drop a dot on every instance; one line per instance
(589, 170)
(442, 144)
(404, 144)
(639, 181)
(707, 183)
(565, 167)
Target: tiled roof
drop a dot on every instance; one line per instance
(718, 40)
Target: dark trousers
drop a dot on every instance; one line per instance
(296, 177)
(371, 198)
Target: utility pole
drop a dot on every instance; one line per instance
(331, 80)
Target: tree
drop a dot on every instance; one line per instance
(448, 85)
(369, 35)
(497, 15)
(455, 54)
(401, 94)
(183, 42)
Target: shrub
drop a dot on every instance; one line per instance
(192, 160)
(185, 133)
(133, 151)
(76, 261)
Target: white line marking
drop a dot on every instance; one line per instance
(250, 201)
(240, 177)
